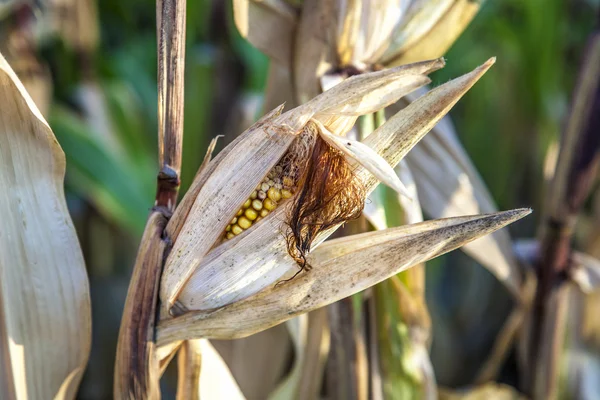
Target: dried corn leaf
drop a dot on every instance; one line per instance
(44, 293)
(449, 185)
(342, 267)
(269, 25)
(202, 373)
(257, 362)
(442, 30)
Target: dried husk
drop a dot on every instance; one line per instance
(449, 185)
(342, 267)
(230, 179)
(443, 32)
(235, 269)
(45, 326)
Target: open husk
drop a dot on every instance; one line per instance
(258, 258)
(45, 321)
(218, 193)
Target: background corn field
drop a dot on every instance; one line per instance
(93, 65)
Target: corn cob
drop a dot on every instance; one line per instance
(274, 188)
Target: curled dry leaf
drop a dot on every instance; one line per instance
(45, 327)
(342, 267)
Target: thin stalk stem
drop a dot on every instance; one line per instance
(575, 173)
(137, 366)
(170, 17)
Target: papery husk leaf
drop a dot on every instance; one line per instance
(437, 40)
(449, 185)
(214, 379)
(44, 294)
(269, 25)
(420, 18)
(258, 362)
(361, 154)
(348, 31)
(394, 139)
(235, 269)
(379, 89)
(342, 267)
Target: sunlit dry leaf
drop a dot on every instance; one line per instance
(269, 25)
(342, 267)
(449, 185)
(44, 291)
(216, 381)
(435, 36)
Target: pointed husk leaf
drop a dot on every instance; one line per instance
(342, 267)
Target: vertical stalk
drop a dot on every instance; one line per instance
(137, 368)
(575, 172)
(170, 17)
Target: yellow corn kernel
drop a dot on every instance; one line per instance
(257, 205)
(251, 214)
(287, 181)
(247, 203)
(228, 228)
(236, 229)
(253, 195)
(229, 235)
(244, 222)
(240, 212)
(274, 194)
(264, 213)
(233, 221)
(269, 204)
(286, 194)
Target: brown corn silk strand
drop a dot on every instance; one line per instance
(329, 193)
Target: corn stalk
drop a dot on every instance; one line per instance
(575, 174)
(137, 369)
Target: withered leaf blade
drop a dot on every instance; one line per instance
(342, 267)
(268, 25)
(449, 185)
(44, 292)
(443, 30)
